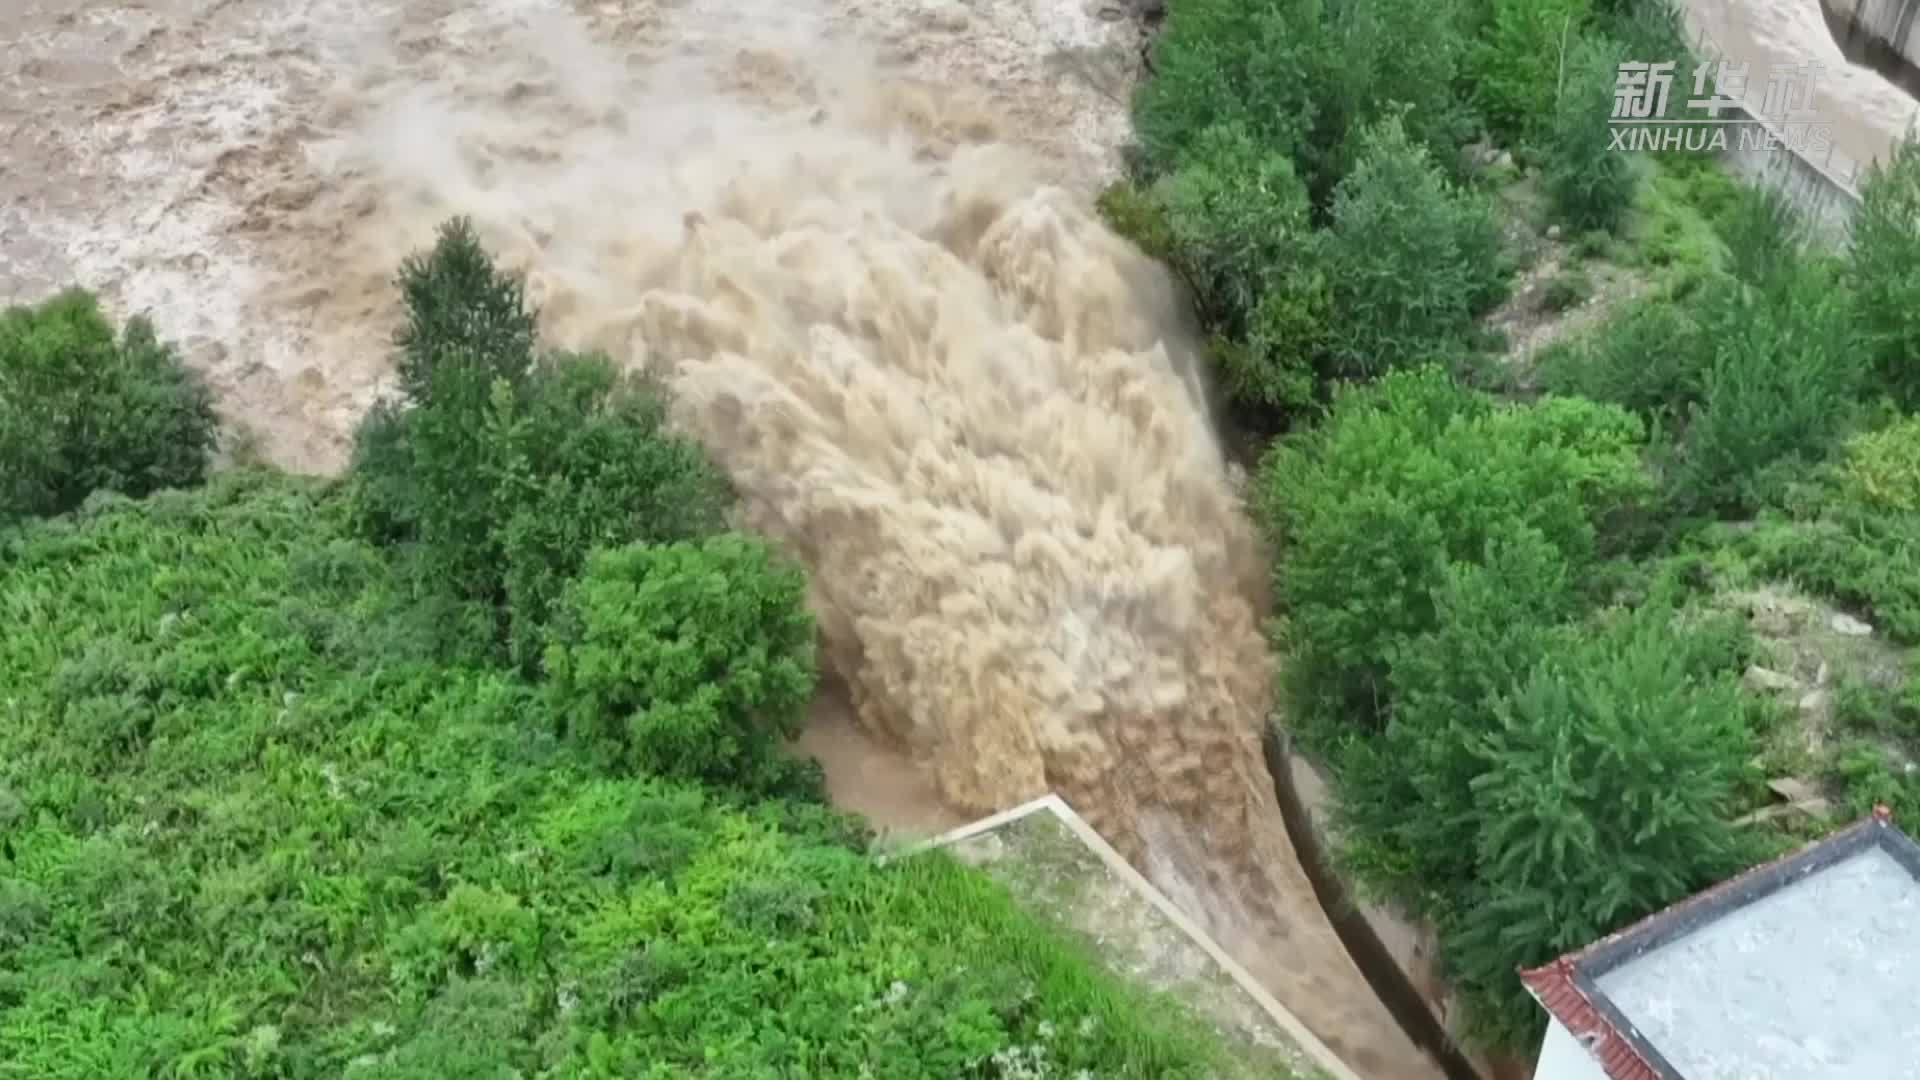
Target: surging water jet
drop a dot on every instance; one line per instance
(968, 408)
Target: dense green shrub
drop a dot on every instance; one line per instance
(1391, 58)
(689, 660)
(499, 470)
(1516, 64)
(1607, 788)
(586, 462)
(1410, 258)
(1236, 219)
(1237, 231)
(81, 411)
(1882, 473)
(1884, 269)
(1850, 536)
(1302, 77)
(1778, 390)
(1494, 619)
(1253, 65)
(1406, 478)
(1499, 712)
(1590, 185)
(1647, 358)
(1765, 237)
(249, 830)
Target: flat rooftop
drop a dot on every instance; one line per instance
(1807, 967)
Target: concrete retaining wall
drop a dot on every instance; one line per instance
(1305, 1039)
(1824, 187)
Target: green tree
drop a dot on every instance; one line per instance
(1250, 64)
(1301, 77)
(1405, 478)
(1649, 358)
(691, 660)
(1517, 62)
(497, 470)
(81, 411)
(1236, 219)
(462, 312)
(1779, 390)
(1884, 269)
(1388, 58)
(1591, 185)
(1608, 787)
(1410, 258)
(1495, 618)
(587, 463)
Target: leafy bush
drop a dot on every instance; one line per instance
(1301, 77)
(1507, 695)
(1392, 58)
(1236, 217)
(236, 846)
(500, 469)
(1515, 64)
(689, 660)
(1236, 223)
(1593, 244)
(1590, 185)
(1882, 471)
(1253, 66)
(1779, 389)
(1608, 784)
(1884, 269)
(1494, 619)
(1410, 258)
(1131, 210)
(81, 411)
(586, 462)
(1766, 240)
(1406, 478)
(1647, 358)
(1850, 537)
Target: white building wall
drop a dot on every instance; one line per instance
(1563, 1058)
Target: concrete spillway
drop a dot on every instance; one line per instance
(1880, 34)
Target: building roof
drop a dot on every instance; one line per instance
(1802, 967)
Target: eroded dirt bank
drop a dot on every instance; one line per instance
(879, 297)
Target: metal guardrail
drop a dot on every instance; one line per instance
(1840, 169)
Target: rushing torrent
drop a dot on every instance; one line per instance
(939, 382)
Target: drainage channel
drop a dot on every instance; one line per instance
(1376, 963)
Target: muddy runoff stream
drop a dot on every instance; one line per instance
(855, 239)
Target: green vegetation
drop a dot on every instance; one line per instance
(689, 660)
(281, 794)
(1568, 289)
(82, 411)
(1884, 268)
(1409, 477)
(1518, 61)
(1592, 186)
(1508, 627)
(1412, 259)
(500, 468)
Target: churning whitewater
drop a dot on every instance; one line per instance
(970, 410)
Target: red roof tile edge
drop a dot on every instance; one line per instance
(1553, 986)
